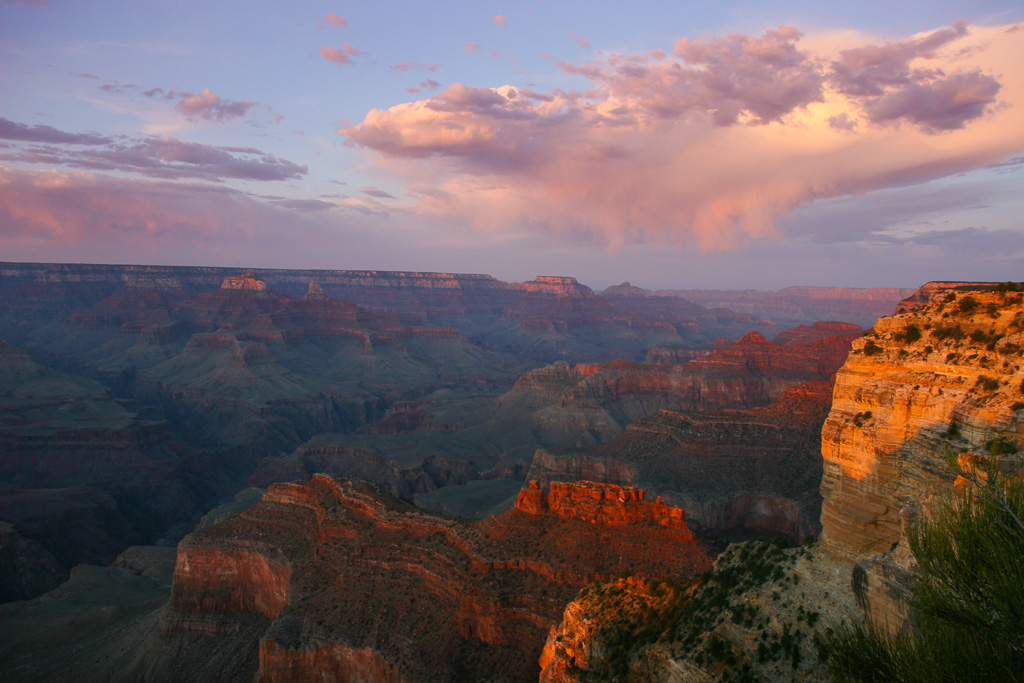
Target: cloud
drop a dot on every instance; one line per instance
(333, 19)
(9, 130)
(403, 66)
(708, 145)
(376, 192)
(208, 105)
(340, 56)
(472, 46)
(91, 217)
(205, 105)
(499, 20)
(580, 39)
(164, 157)
(895, 84)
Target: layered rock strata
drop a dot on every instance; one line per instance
(737, 473)
(358, 586)
(942, 378)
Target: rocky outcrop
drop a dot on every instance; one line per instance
(758, 615)
(356, 583)
(600, 504)
(246, 281)
(942, 378)
(924, 293)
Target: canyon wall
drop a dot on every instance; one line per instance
(358, 585)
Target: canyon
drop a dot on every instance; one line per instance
(941, 380)
(399, 476)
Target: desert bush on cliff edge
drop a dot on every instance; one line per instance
(968, 602)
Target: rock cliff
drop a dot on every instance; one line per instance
(940, 378)
(358, 586)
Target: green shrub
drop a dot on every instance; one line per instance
(967, 304)
(871, 348)
(966, 602)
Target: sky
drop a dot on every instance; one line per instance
(729, 145)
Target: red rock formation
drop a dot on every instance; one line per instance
(600, 504)
(357, 584)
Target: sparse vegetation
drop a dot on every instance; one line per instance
(1001, 445)
(967, 304)
(944, 333)
(910, 334)
(871, 348)
(986, 383)
(966, 602)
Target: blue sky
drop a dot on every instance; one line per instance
(730, 145)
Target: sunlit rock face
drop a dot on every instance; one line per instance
(942, 377)
(357, 585)
(247, 282)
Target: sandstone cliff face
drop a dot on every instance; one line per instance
(943, 377)
(359, 586)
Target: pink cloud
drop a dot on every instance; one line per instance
(209, 105)
(499, 20)
(204, 105)
(340, 56)
(403, 66)
(708, 146)
(472, 46)
(580, 39)
(59, 216)
(334, 20)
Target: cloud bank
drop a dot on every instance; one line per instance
(164, 157)
(711, 144)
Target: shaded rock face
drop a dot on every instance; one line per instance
(737, 473)
(588, 403)
(83, 474)
(358, 586)
(943, 377)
